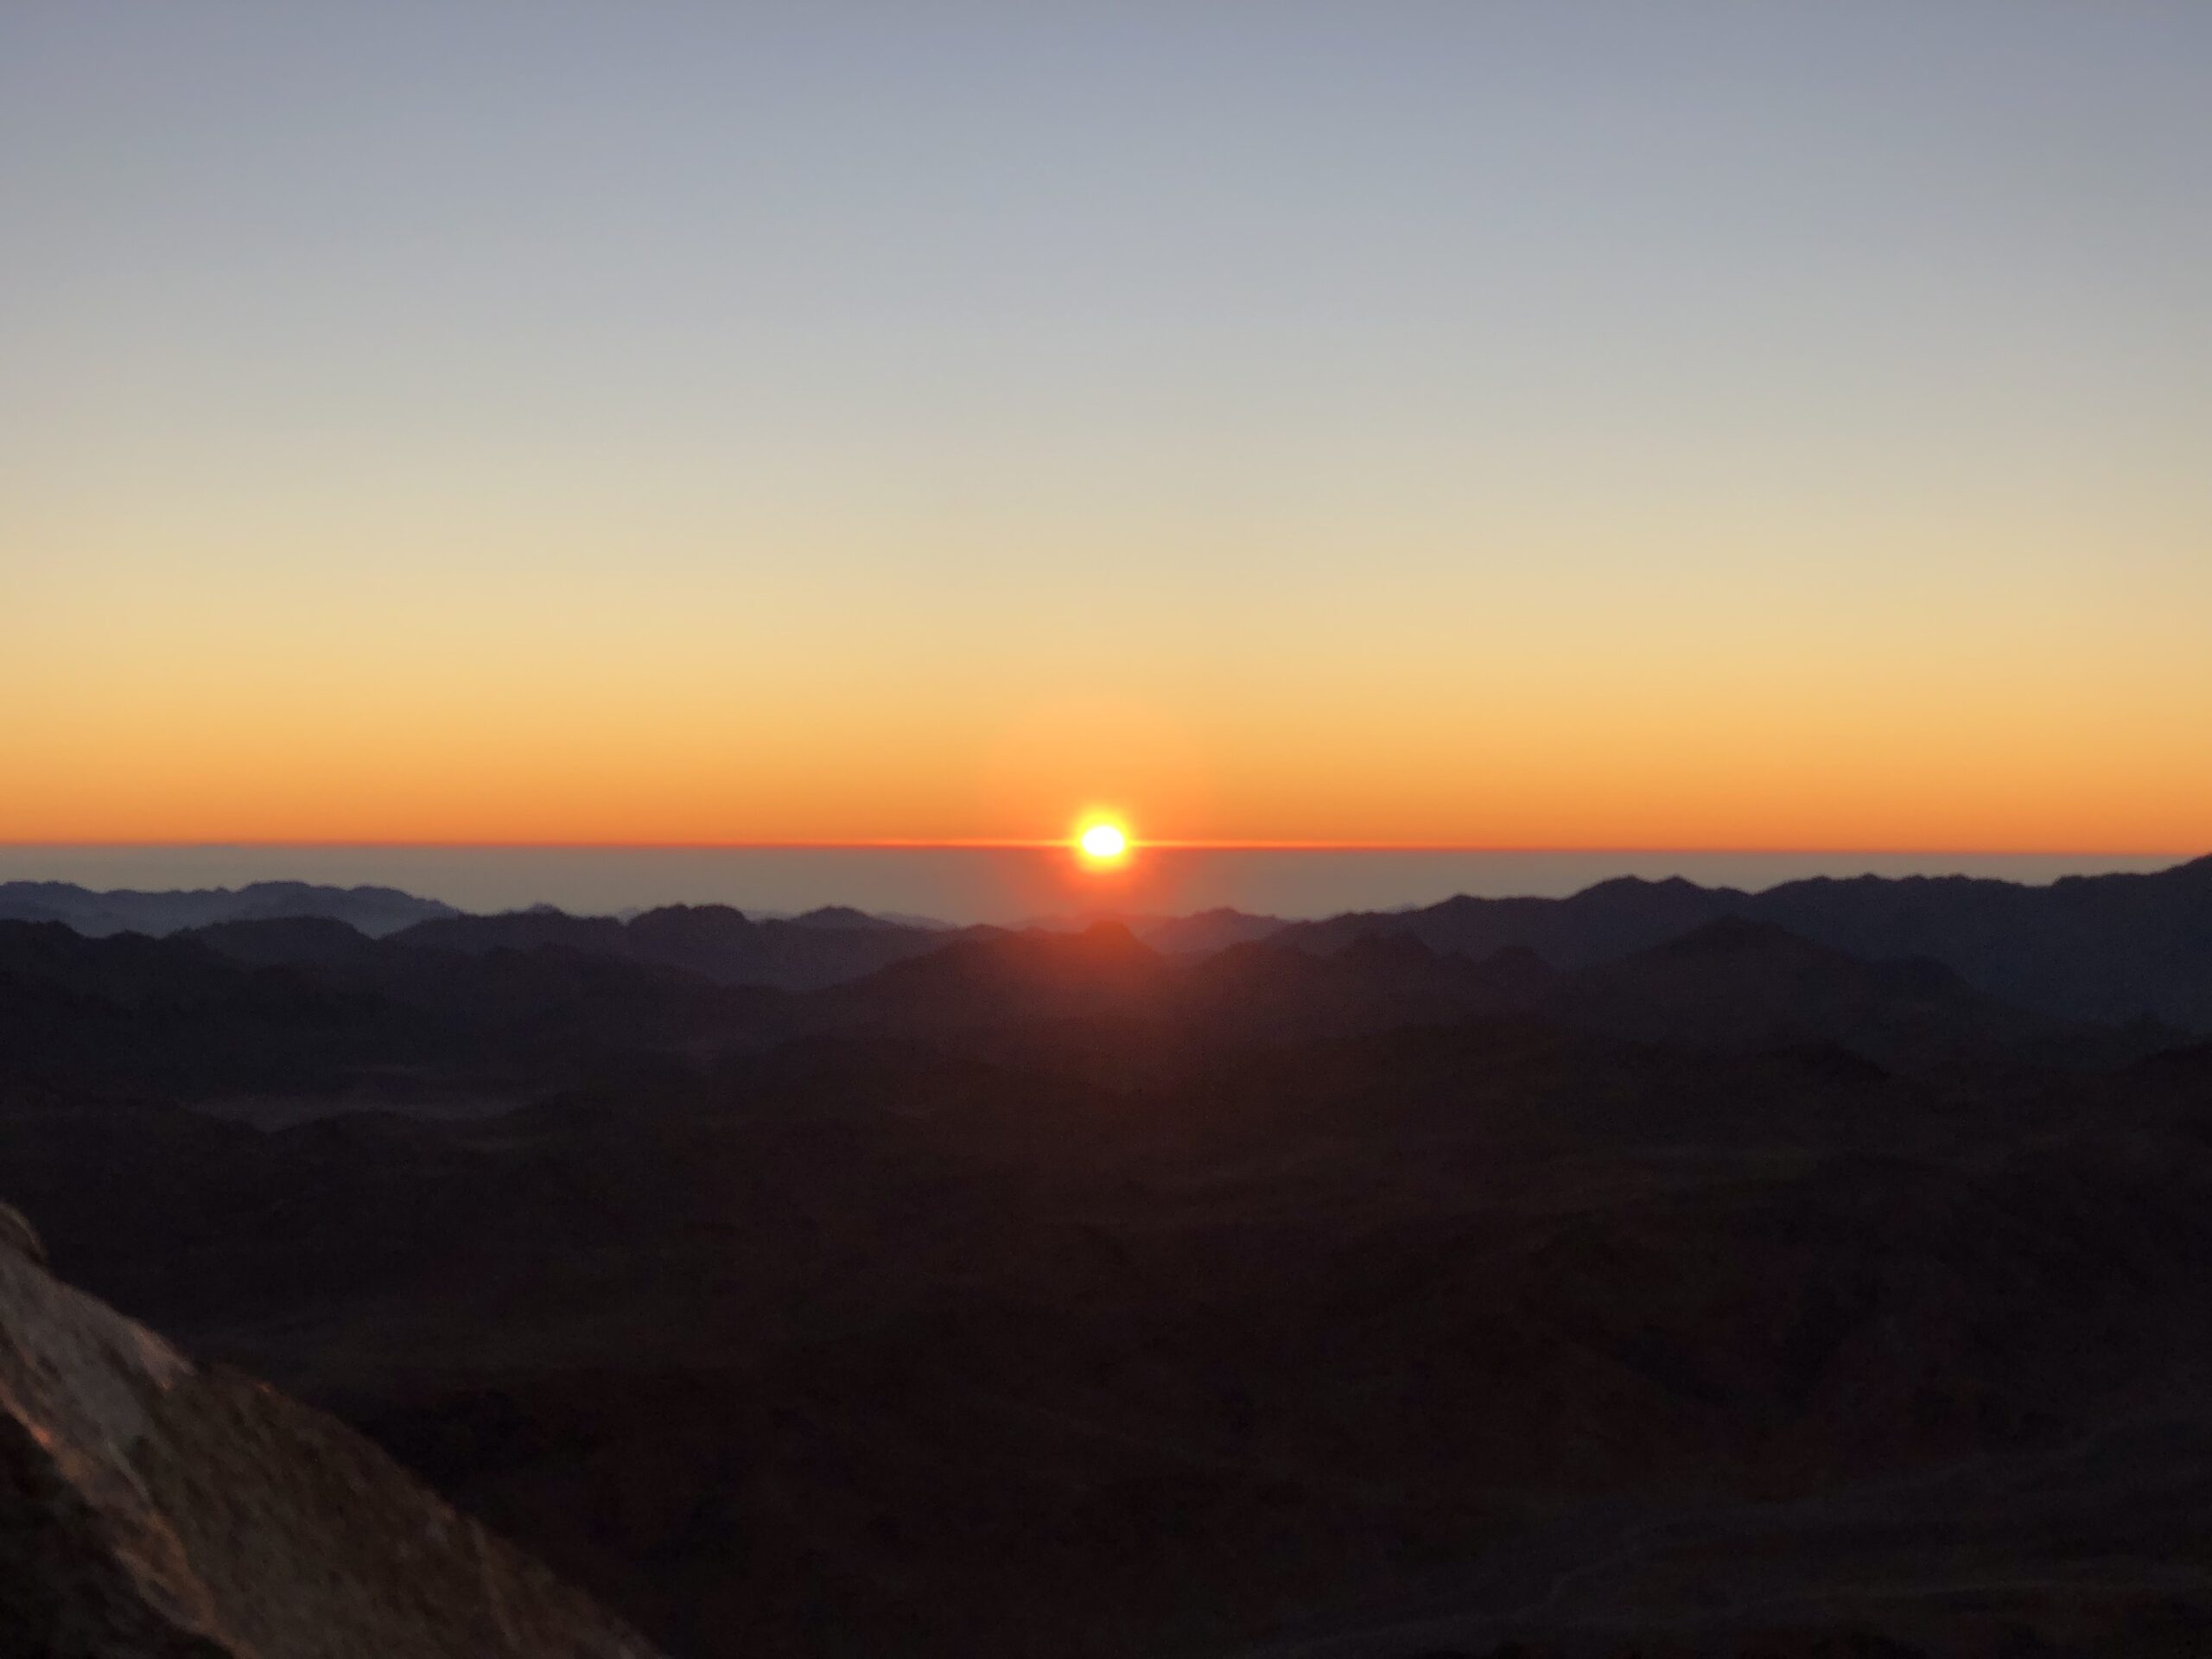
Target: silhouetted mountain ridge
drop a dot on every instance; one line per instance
(2105, 947)
(374, 910)
(243, 1006)
(715, 941)
(2111, 949)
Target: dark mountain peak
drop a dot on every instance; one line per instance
(1110, 936)
(291, 890)
(690, 919)
(1672, 902)
(839, 917)
(42, 935)
(1627, 886)
(283, 939)
(56, 950)
(717, 941)
(45, 890)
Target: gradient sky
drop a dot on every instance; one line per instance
(1687, 426)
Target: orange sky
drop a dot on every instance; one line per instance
(229, 744)
(166, 687)
(705, 432)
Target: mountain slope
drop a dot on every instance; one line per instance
(309, 1006)
(1746, 986)
(1612, 919)
(153, 1508)
(2108, 947)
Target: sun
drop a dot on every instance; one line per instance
(1103, 843)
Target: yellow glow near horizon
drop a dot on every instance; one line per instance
(1336, 496)
(1104, 843)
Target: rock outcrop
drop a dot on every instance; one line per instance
(17, 1234)
(151, 1508)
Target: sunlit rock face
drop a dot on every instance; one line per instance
(150, 1507)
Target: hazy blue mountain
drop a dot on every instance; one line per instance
(374, 910)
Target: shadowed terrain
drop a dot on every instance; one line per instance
(1733, 1295)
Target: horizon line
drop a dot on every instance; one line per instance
(1067, 843)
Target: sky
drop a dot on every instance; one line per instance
(1553, 425)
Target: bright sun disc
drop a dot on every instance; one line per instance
(1104, 841)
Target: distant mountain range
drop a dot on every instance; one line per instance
(714, 941)
(374, 910)
(517, 1007)
(2111, 948)
(2106, 949)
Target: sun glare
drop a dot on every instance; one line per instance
(1103, 842)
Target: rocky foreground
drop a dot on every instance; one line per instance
(149, 1506)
